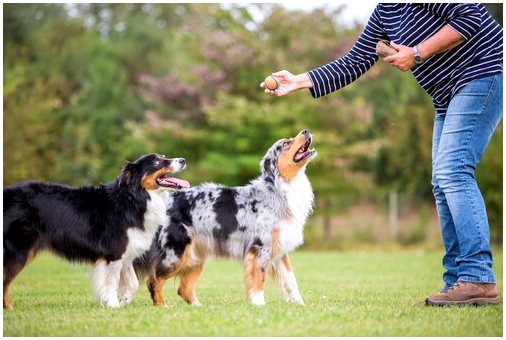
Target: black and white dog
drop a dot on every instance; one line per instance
(108, 225)
(258, 224)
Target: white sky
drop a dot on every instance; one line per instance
(357, 10)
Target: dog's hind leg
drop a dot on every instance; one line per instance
(284, 276)
(165, 270)
(13, 264)
(189, 277)
(256, 265)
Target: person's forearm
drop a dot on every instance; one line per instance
(445, 39)
(303, 81)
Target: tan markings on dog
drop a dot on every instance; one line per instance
(148, 182)
(287, 215)
(276, 246)
(254, 275)
(7, 303)
(10, 272)
(288, 168)
(189, 277)
(201, 250)
(156, 282)
(31, 255)
(286, 262)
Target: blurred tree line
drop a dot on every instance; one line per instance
(88, 86)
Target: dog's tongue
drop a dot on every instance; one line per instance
(177, 182)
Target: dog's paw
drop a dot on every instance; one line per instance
(298, 301)
(125, 300)
(257, 299)
(196, 303)
(113, 303)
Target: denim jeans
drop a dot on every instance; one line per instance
(459, 140)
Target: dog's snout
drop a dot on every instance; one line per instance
(304, 132)
(178, 164)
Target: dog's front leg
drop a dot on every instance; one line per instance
(128, 283)
(256, 264)
(284, 276)
(105, 282)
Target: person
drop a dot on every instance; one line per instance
(454, 52)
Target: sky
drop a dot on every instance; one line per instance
(357, 11)
(354, 11)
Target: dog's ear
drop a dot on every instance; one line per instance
(268, 169)
(125, 178)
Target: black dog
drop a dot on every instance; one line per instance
(108, 225)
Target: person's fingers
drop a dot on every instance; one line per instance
(389, 59)
(281, 92)
(281, 73)
(394, 45)
(262, 84)
(269, 92)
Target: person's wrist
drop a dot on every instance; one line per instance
(422, 50)
(416, 56)
(302, 81)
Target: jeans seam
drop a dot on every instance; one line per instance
(466, 155)
(468, 192)
(490, 92)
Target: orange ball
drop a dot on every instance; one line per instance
(271, 82)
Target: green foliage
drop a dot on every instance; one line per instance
(88, 86)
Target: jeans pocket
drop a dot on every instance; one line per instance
(480, 86)
(475, 96)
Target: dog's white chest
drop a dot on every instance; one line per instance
(299, 198)
(290, 237)
(139, 240)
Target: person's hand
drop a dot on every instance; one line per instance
(287, 83)
(404, 60)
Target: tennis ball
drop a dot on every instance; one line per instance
(271, 82)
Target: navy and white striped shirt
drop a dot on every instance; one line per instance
(441, 75)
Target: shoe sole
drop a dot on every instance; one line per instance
(475, 302)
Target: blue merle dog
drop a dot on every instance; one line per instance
(259, 223)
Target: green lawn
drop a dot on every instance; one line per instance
(346, 294)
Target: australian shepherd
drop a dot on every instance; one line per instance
(108, 225)
(259, 224)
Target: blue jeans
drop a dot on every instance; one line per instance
(459, 140)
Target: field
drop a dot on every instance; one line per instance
(346, 294)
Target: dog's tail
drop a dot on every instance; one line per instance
(142, 266)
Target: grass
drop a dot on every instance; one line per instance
(346, 294)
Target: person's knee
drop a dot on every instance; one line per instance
(449, 178)
(436, 189)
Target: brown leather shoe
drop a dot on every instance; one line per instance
(466, 293)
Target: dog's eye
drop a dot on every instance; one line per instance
(286, 143)
(157, 162)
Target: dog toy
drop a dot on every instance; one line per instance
(271, 82)
(384, 49)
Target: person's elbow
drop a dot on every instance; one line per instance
(467, 21)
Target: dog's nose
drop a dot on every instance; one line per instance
(304, 132)
(182, 161)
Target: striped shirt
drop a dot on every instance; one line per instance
(441, 75)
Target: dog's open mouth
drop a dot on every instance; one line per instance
(172, 182)
(304, 152)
